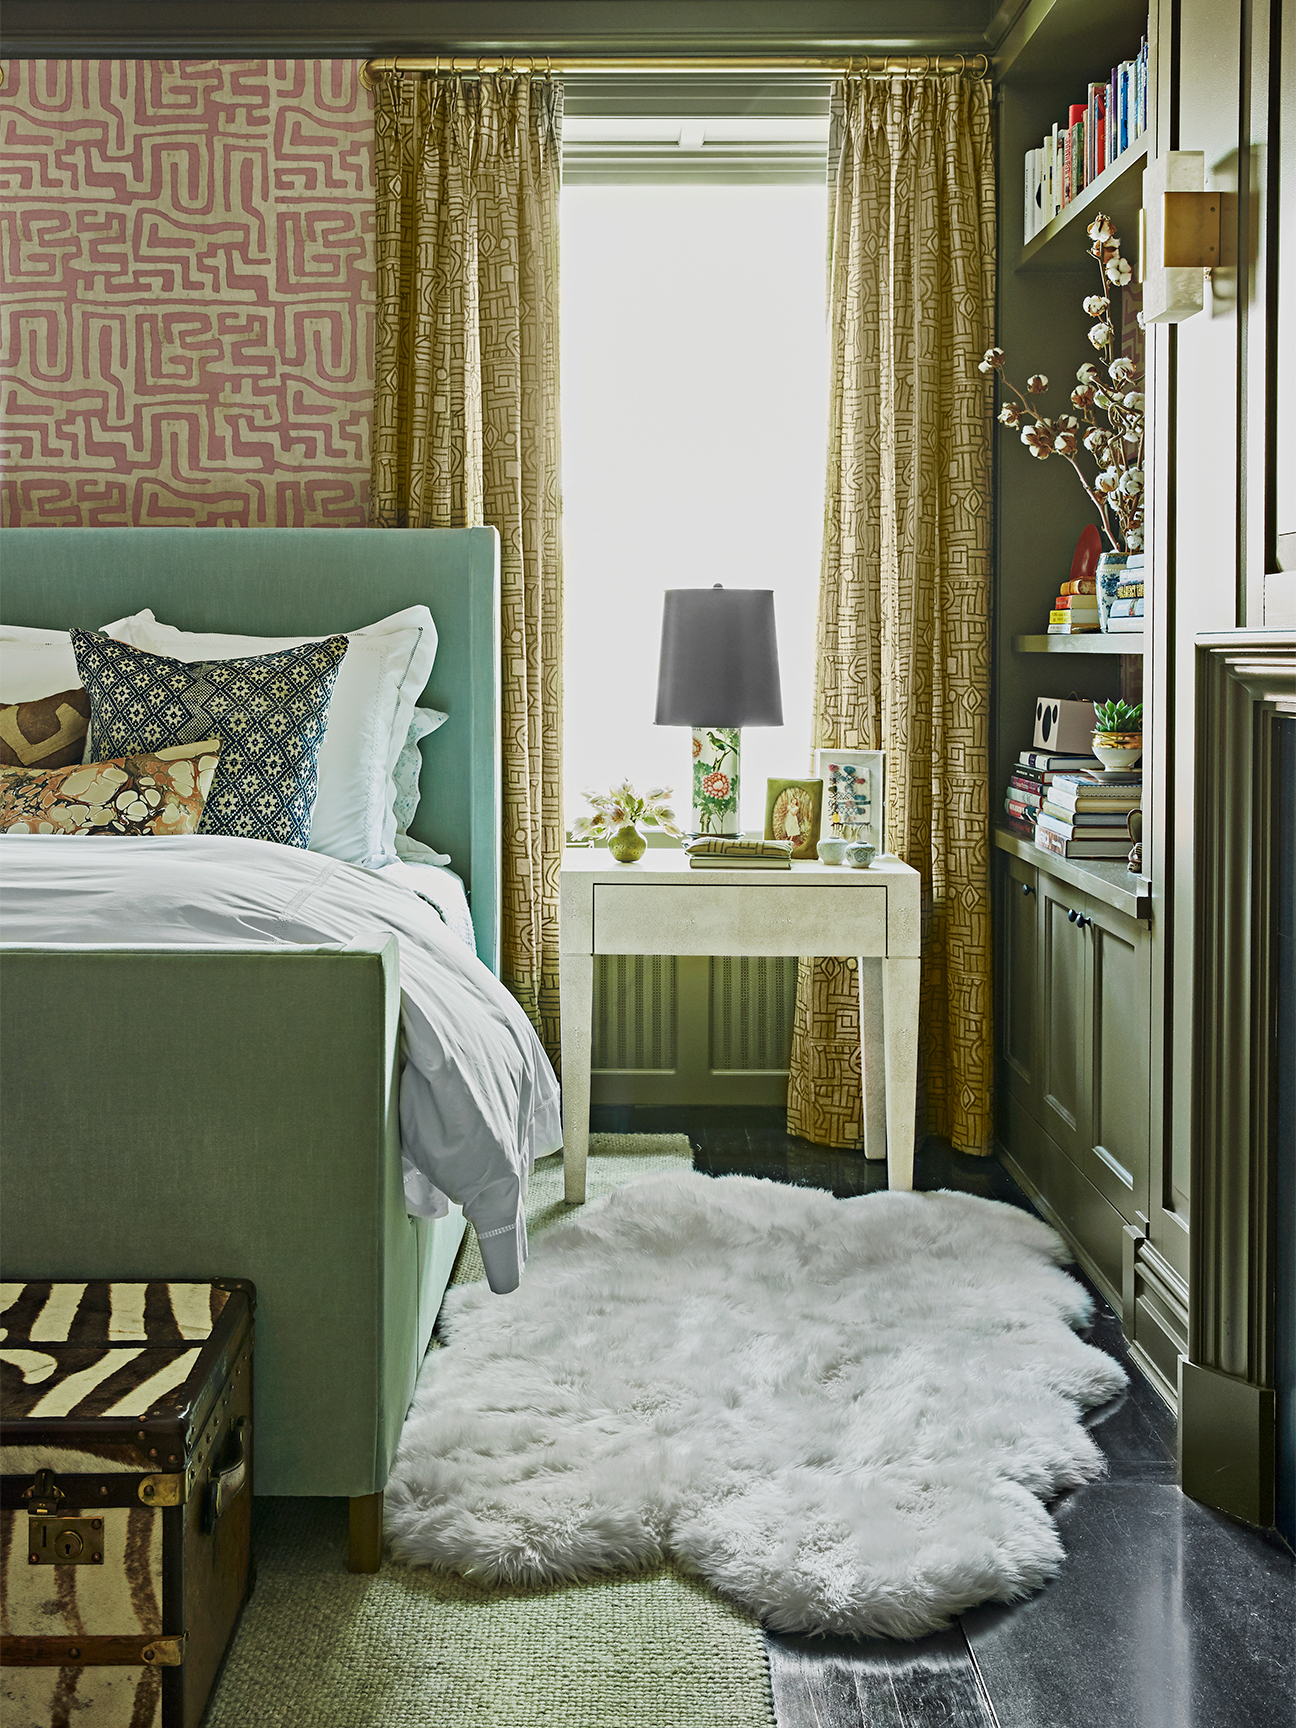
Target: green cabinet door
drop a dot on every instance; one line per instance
(1063, 1020)
(1120, 1081)
(1018, 1015)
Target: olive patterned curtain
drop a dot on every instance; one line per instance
(465, 428)
(903, 660)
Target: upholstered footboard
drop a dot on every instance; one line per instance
(189, 1115)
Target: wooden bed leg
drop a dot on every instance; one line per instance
(364, 1549)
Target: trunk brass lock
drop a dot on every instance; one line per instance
(65, 1542)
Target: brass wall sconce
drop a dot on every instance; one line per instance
(1180, 236)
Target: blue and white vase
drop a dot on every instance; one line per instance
(1113, 569)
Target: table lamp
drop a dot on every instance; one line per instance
(719, 672)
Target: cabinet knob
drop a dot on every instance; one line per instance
(1072, 915)
(1084, 920)
(1027, 889)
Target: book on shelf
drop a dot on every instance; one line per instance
(1020, 825)
(1094, 775)
(1080, 604)
(1082, 806)
(1032, 779)
(1098, 823)
(1082, 585)
(1129, 591)
(1056, 628)
(1021, 810)
(1123, 780)
(1075, 785)
(1051, 762)
(1126, 609)
(1095, 850)
(1027, 789)
(1125, 626)
(1095, 132)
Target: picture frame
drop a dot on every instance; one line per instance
(869, 773)
(793, 811)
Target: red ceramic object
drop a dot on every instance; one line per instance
(1084, 560)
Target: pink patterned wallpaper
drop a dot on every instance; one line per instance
(187, 326)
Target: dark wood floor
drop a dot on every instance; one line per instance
(1165, 1615)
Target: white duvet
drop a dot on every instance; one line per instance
(478, 1100)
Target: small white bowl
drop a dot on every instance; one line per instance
(832, 851)
(1117, 755)
(860, 855)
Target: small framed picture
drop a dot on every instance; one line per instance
(792, 812)
(854, 798)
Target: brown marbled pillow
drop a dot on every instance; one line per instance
(163, 793)
(47, 733)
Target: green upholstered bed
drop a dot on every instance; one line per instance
(195, 1115)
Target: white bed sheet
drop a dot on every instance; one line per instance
(478, 1100)
(440, 887)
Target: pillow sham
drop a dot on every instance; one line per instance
(49, 733)
(268, 712)
(162, 793)
(386, 669)
(409, 765)
(33, 663)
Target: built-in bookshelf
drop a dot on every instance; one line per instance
(1074, 935)
(1093, 137)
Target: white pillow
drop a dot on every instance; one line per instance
(383, 675)
(36, 663)
(409, 766)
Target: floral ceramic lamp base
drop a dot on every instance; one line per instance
(716, 755)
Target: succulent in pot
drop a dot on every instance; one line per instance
(1118, 734)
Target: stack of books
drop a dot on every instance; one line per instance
(1086, 814)
(1075, 611)
(734, 852)
(1094, 134)
(1033, 775)
(1126, 614)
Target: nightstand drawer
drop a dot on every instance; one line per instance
(678, 918)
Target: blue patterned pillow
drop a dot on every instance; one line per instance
(269, 713)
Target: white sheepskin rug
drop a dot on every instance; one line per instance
(845, 1414)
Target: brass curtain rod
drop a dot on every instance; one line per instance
(855, 65)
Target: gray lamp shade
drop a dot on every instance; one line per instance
(719, 659)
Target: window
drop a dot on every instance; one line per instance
(694, 431)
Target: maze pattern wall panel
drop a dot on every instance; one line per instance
(187, 332)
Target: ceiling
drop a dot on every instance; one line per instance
(167, 29)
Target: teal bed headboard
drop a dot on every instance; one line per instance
(290, 581)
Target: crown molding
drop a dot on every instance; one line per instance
(168, 29)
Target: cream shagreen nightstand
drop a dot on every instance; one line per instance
(662, 906)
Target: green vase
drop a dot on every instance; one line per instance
(627, 845)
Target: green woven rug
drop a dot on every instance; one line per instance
(320, 1648)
